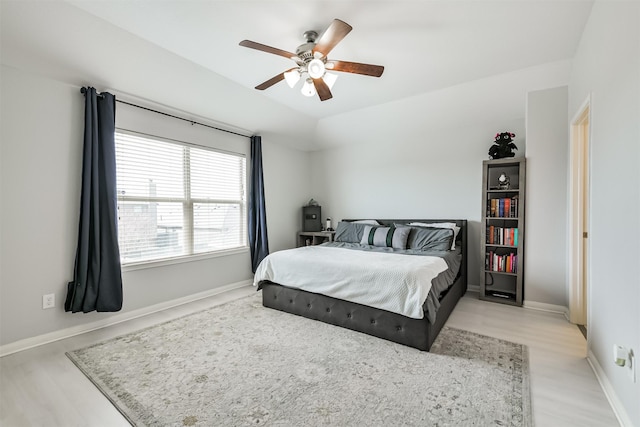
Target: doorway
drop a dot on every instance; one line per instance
(579, 218)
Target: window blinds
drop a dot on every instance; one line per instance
(177, 200)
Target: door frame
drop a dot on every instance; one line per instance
(579, 178)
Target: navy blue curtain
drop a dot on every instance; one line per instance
(97, 279)
(258, 241)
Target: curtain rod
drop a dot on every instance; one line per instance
(83, 90)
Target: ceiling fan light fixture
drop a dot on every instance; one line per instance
(308, 89)
(330, 79)
(292, 77)
(315, 68)
(312, 62)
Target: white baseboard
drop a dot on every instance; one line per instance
(28, 343)
(552, 308)
(533, 305)
(609, 392)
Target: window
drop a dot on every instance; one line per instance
(177, 200)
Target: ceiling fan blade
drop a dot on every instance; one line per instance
(270, 82)
(268, 49)
(323, 90)
(332, 36)
(273, 80)
(356, 68)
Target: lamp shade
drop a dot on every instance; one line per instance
(308, 89)
(315, 68)
(330, 79)
(292, 77)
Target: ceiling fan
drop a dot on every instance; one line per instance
(313, 64)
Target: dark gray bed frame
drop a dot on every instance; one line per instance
(417, 333)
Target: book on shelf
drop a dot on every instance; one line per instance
(507, 236)
(503, 207)
(506, 263)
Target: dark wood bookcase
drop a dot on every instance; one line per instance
(502, 231)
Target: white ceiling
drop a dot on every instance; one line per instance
(424, 45)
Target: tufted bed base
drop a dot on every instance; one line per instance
(417, 333)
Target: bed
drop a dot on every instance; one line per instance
(305, 294)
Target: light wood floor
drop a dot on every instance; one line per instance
(41, 387)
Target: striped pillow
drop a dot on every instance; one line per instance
(390, 237)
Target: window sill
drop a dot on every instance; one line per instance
(183, 259)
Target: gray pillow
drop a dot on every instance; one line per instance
(430, 239)
(390, 237)
(349, 232)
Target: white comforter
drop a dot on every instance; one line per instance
(394, 282)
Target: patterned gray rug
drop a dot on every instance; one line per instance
(243, 364)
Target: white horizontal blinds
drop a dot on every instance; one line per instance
(149, 168)
(177, 200)
(218, 194)
(216, 176)
(217, 226)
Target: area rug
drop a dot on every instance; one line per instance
(242, 364)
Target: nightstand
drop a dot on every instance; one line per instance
(309, 238)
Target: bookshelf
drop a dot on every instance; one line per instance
(502, 231)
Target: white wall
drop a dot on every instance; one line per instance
(546, 211)
(607, 66)
(287, 188)
(496, 98)
(422, 157)
(48, 51)
(413, 176)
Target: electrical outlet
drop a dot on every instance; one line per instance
(48, 301)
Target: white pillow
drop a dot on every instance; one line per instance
(453, 225)
(366, 221)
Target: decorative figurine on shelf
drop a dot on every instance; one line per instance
(504, 182)
(503, 146)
